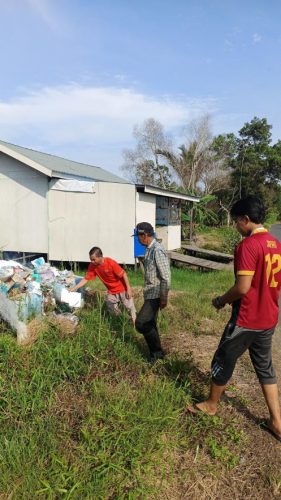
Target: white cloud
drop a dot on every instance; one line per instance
(256, 38)
(90, 118)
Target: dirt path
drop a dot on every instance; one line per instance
(258, 474)
(276, 231)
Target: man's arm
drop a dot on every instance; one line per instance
(129, 292)
(79, 285)
(163, 266)
(121, 275)
(236, 292)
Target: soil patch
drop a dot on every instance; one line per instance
(257, 475)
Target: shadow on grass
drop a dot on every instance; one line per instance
(186, 374)
(241, 407)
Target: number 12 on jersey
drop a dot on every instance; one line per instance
(273, 267)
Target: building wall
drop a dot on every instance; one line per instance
(23, 207)
(146, 211)
(170, 236)
(162, 234)
(145, 208)
(174, 237)
(79, 221)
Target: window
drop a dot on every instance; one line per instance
(167, 211)
(174, 211)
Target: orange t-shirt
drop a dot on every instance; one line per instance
(110, 273)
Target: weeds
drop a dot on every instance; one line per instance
(84, 416)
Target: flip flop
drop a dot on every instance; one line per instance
(264, 426)
(194, 410)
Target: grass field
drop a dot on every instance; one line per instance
(85, 416)
(222, 239)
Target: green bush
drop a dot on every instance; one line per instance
(272, 216)
(230, 240)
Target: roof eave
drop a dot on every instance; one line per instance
(145, 188)
(25, 160)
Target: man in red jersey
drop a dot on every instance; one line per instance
(114, 278)
(254, 299)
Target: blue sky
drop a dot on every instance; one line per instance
(77, 75)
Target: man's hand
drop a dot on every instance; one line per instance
(129, 293)
(163, 303)
(217, 303)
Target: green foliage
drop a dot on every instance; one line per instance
(154, 173)
(224, 146)
(254, 163)
(223, 239)
(203, 213)
(228, 166)
(231, 239)
(222, 453)
(272, 216)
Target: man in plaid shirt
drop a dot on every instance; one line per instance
(157, 278)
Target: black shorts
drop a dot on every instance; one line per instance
(234, 342)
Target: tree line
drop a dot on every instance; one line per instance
(220, 169)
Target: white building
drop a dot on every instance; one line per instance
(50, 205)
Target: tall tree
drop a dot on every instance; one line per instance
(143, 164)
(224, 148)
(255, 164)
(250, 163)
(200, 168)
(273, 170)
(189, 163)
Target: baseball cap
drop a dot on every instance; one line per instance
(144, 228)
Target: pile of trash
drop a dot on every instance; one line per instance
(29, 292)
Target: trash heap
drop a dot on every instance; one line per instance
(27, 293)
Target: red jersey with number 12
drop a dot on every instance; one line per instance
(259, 255)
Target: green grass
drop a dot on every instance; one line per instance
(87, 417)
(83, 417)
(182, 279)
(185, 279)
(223, 239)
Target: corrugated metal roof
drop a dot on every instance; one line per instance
(145, 188)
(58, 165)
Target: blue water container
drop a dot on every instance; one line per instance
(139, 250)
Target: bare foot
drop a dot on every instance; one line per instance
(203, 407)
(206, 408)
(268, 426)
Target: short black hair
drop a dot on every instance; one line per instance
(95, 251)
(252, 206)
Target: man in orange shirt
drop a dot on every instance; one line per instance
(114, 278)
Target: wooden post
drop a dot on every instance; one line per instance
(191, 224)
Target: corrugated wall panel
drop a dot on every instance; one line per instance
(23, 207)
(79, 221)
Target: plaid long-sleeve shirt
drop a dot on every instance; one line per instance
(157, 275)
